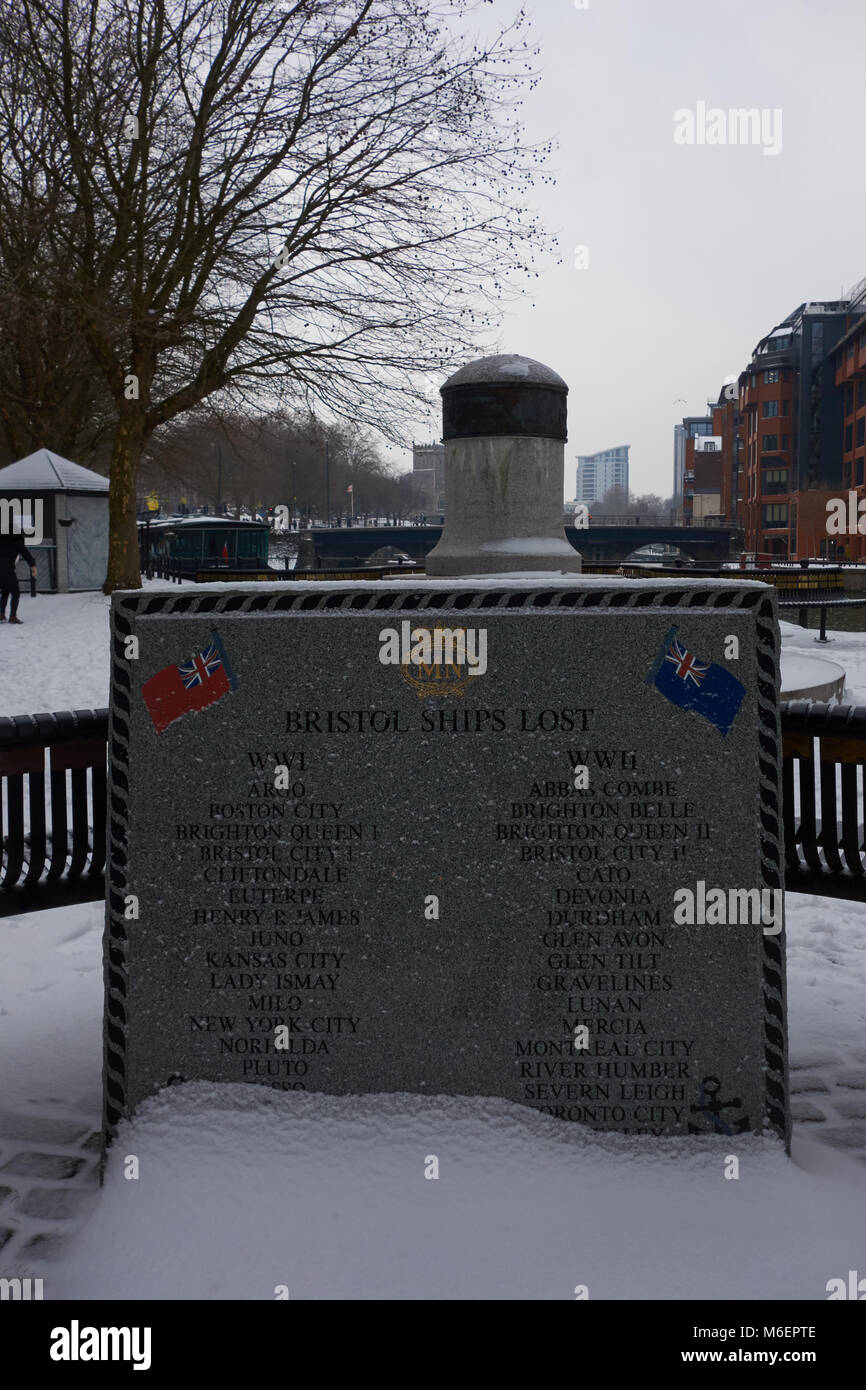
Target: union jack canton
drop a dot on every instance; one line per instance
(200, 667)
(688, 668)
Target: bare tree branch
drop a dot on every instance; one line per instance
(316, 204)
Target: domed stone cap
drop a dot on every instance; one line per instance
(507, 367)
(504, 395)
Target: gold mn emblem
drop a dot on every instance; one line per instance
(438, 677)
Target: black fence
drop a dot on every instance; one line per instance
(824, 753)
(177, 569)
(53, 807)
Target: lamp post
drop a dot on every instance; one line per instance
(292, 496)
(327, 484)
(219, 504)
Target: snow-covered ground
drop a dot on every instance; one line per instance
(59, 658)
(846, 649)
(241, 1189)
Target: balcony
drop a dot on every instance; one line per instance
(779, 357)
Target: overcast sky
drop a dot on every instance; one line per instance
(695, 252)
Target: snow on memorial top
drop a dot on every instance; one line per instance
(506, 368)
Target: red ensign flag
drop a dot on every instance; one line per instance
(195, 684)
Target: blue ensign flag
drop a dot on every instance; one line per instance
(701, 686)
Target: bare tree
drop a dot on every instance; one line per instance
(618, 501)
(267, 460)
(48, 394)
(318, 202)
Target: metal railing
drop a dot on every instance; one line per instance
(161, 567)
(53, 808)
(177, 569)
(824, 755)
(656, 520)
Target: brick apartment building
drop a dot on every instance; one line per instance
(728, 429)
(849, 358)
(702, 480)
(693, 427)
(790, 437)
(792, 430)
(710, 446)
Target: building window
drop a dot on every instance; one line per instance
(769, 409)
(775, 480)
(786, 405)
(861, 431)
(849, 438)
(769, 443)
(849, 399)
(860, 471)
(786, 439)
(861, 394)
(775, 514)
(771, 375)
(817, 341)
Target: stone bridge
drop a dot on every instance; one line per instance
(607, 542)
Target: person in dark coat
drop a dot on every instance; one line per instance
(11, 548)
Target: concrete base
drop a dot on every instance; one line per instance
(504, 508)
(809, 678)
(494, 559)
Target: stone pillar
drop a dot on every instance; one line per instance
(504, 429)
(306, 551)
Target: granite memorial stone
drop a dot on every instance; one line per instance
(516, 837)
